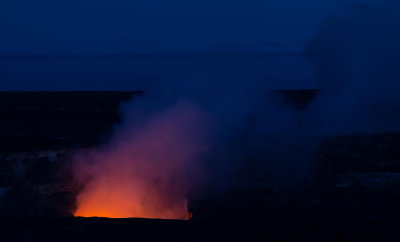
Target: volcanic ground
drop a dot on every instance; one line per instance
(351, 194)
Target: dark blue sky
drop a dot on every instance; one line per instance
(129, 26)
(126, 25)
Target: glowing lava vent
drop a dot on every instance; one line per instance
(146, 171)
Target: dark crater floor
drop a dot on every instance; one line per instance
(351, 192)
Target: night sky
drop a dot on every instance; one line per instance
(84, 28)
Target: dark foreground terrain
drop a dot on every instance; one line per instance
(351, 192)
(233, 229)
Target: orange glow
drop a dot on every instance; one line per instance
(146, 173)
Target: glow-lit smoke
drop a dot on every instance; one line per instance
(147, 171)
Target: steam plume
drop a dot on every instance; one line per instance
(357, 55)
(145, 171)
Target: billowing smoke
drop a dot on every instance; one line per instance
(147, 169)
(159, 157)
(357, 57)
(165, 153)
(165, 150)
